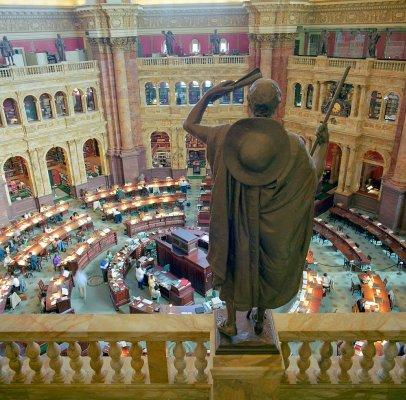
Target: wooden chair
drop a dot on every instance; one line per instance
(63, 306)
(42, 287)
(355, 287)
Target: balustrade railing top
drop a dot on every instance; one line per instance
(16, 73)
(204, 60)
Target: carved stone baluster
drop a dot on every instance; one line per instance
(180, 363)
(55, 362)
(403, 375)
(285, 349)
(303, 362)
(33, 352)
(326, 351)
(76, 362)
(201, 362)
(116, 362)
(347, 351)
(367, 362)
(96, 362)
(3, 375)
(388, 362)
(137, 363)
(15, 362)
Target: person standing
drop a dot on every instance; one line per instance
(140, 275)
(104, 265)
(81, 283)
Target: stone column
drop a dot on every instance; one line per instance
(3, 120)
(36, 172)
(333, 164)
(355, 102)
(4, 202)
(266, 43)
(38, 161)
(252, 60)
(350, 171)
(322, 95)
(53, 107)
(362, 99)
(316, 95)
(38, 109)
(343, 169)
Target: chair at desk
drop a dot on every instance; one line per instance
(355, 287)
(63, 306)
(42, 287)
(45, 255)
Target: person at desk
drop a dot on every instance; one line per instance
(109, 256)
(326, 282)
(144, 192)
(47, 229)
(120, 194)
(118, 218)
(12, 246)
(7, 261)
(2, 254)
(33, 262)
(140, 275)
(155, 293)
(183, 186)
(27, 215)
(104, 265)
(60, 245)
(56, 261)
(361, 304)
(16, 285)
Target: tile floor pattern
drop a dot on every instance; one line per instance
(339, 300)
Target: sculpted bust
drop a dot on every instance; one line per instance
(261, 214)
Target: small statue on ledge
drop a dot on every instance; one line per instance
(60, 48)
(374, 37)
(169, 42)
(323, 43)
(7, 51)
(262, 202)
(215, 42)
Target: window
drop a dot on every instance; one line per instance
(309, 97)
(297, 102)
(91, 154)
(77, 101)
(375, 105)
(164, 93)
(90, 99)
(30, 108)
(205, 87)
(17, 178)
(194, 92)
(45, 104)
(160, 149)
(150, 94)
(180, 93)
(238, 96)
(61, 104)
(391, 108)
(10, 110)
(223, 46)
(195, 46)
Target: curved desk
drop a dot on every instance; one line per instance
(310, 295)
(374, 292)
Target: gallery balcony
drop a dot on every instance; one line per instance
(174, 356)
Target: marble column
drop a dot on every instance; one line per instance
(4, 202)
(316, 95)
(362, 102)
(252, 51)
(323, 89)
(343, 169)
(333, 165)
(350, 171)
(266, 43)
(355, 101)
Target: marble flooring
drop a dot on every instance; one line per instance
(339, 300)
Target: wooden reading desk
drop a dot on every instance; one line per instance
(59, 288)
(374, 292)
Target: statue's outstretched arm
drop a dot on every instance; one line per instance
(319, 156)
(192, 122)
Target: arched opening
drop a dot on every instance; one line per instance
(45, 104)
(225, 99)
(180, 93)
(61, 104)
(342, 107)
(11, 112)
(30, 108)
(238, 96)
(17, 178)
(160, 149)
(224, 46)
(196, 155)
(297, 102)
(194, 47)
(58, 171)
(77, 100)
(91, 153)
(205, 87)
(375, 105)
(309, 97)
(391, 107)
(150, 94)
(90, 99)
(194, 92)
(163, 93)
(371, 173)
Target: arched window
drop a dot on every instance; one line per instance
(150, 94)
(180, 93)
(30, 108)
(11, 112)
(17, 178)
(58, 171)
(160, 149)
(238, 96)
(392, 105)
(194, 46)
(77, 100)
(61, 104)
(226, 99)
(90, 99)
(371, 173)
(194, 92)
(164, 93)
(375, 105)
(309, 97)
(297, 102)
(92, 158)
(223, 46)
(45, 104)
(196, 152)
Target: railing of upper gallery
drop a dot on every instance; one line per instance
(191, 61)
(61, 69)
(160, 354)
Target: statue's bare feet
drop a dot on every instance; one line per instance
(228, 329)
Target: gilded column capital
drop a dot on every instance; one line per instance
(285, 38)
(123, 43)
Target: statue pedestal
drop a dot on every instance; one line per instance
(246, 366)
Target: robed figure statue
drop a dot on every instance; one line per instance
(169, 42)
(261, 216)
(374, 37)
(215, 42)
(7, 51)
(60, 48)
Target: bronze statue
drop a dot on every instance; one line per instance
(323, 43)
(262, 202)
(60, 48)
(6, 50)
(169, 41)
(373, 36)
(215, 42)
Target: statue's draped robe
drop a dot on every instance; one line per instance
(259, 235)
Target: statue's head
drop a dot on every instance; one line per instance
(58, 35)
(264, 96)
(4, 37)
(163, 32)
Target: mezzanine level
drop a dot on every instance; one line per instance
(122, 356)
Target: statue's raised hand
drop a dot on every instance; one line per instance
(219, 90)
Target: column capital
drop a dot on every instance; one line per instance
(106, 44)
